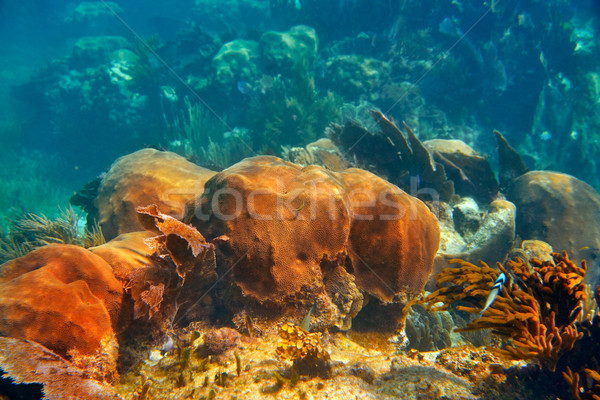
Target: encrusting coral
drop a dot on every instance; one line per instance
(537, 309)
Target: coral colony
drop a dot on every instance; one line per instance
(303, 200)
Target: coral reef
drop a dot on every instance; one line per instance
(281, 52)
(355, 75)
(236, 60)
(65, 298)
(290, 227)
(145, 177)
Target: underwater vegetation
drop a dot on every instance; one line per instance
(31, 231)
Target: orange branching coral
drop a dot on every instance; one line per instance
(583, 389)
(536, 310)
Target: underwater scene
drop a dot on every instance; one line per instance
(300, 199)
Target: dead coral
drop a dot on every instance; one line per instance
(536, 310)
(184, 265)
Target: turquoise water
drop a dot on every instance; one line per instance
(83, 83)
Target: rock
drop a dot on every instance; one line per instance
(218, 341)
(473, 232)
(466, 217)
(558, 209)
(291, 227)
(471, 173)
(428, 331)
(235, 61)
(282, 51)
(65, 298)
(494, 238)
(146, 177)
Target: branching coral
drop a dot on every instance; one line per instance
(536, 310)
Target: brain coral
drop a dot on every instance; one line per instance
(145, 177)
(291, 227)
(63, 297)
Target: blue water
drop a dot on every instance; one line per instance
(84, 83)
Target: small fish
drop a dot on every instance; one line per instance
(305, 324)
(167, 346)
(494, 292)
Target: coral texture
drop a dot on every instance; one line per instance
(61, 296)
(290, 226)
(146, 177)
(28, 362)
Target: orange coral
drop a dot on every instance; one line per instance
(537, 311)
(147, 176)
(290, 226)
(28, 362)
(298, 343)
(63, 297)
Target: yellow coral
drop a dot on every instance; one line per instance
(298, 343)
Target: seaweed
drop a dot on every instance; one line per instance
(31, 231)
